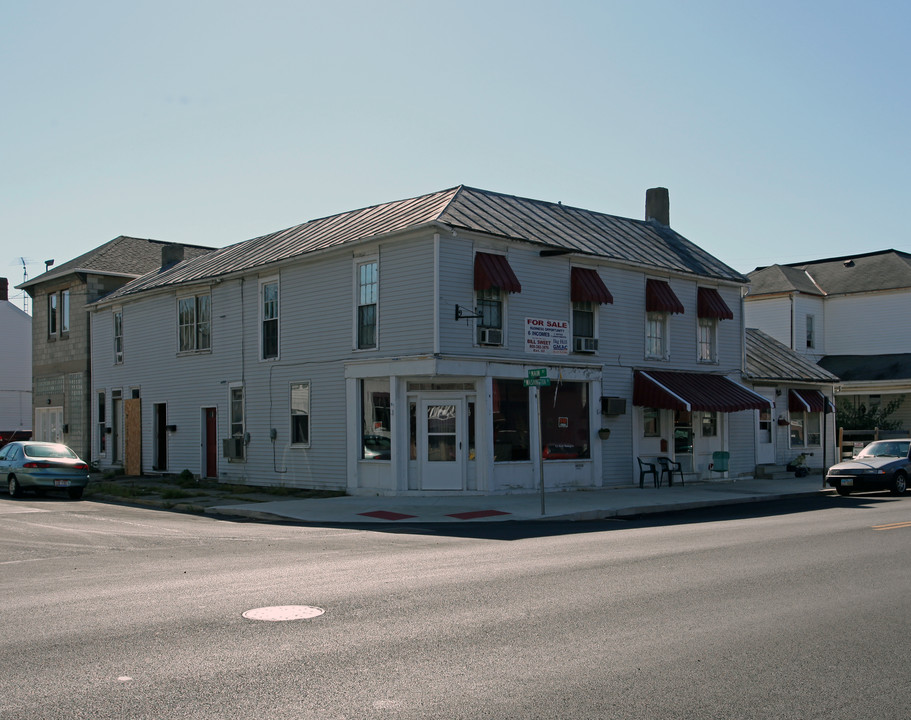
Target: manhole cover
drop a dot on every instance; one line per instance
(280, 613)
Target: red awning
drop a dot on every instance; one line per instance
(660, 298)
(693, 391)
(586, 286)
(807, 401)
(710, 304)
(493, 271)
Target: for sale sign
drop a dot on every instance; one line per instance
(549, 337)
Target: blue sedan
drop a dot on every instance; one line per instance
(40, 466)
(881, 465)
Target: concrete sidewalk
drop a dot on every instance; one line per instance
(569, 505)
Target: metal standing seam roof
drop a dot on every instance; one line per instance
(647, 244)
(768, 359)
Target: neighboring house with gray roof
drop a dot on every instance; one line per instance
(61, 352)
(387, 349)
(15, 369)
(800, 420)
(849, 315)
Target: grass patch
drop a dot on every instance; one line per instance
(119, 489)
(176, 494)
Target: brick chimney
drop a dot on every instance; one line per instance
(658, 205)
(4, 290)
(171, 254)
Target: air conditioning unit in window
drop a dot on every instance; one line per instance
(490, 336)
(233, 448)
(585, 344)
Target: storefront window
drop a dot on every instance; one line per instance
(651, 422)
(565, 429)
(376, 428)
(709, 424)
(510, 421)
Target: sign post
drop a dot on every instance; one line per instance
(537, 379)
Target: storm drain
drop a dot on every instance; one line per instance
(281, 613)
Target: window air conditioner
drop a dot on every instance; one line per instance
(585, 344)
(233, 448)
(490, 336)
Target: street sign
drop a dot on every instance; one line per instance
(536, 382)
(538, 373)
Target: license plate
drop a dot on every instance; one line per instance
(61, 483)
(847, 482)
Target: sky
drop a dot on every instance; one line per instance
(780, 128)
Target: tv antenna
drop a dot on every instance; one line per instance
(24, 278)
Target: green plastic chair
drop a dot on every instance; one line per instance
(720, 461)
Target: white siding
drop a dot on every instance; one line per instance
(16, 376)
(771, 315)
(873, 324)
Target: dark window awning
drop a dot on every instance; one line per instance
(587, 286)
(493, 271)
(808, 401)
(693, 391)
(660, 298)
(710, 304)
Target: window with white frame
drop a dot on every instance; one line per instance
(811, 332)
(656, 335)
(300, 414)
(651, 422)
(52, 314)
(490, 323)
(805, 429)
(269, 340)
(118, 336)
(584, 324)
(709, 424)
(367, 296)
(101, 423)
(194, 321)
(236, 416)
(708, 339)
(64, 311)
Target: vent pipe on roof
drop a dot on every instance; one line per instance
(171, 254)
(658, 205)
(4, 289)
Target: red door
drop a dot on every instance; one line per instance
(211, 444)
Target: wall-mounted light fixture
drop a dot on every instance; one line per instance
(170, 428)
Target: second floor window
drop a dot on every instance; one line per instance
(194, 318)
(52, 314)
(367, 294)
(811, 332)
(118, 336)
(65, 311)
(584, 327)
(656, 335)
(490, 324)
(708, 346)
(270, 320)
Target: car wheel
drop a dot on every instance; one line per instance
(15, 489)
(843, 491)
(75, 493)
(899, 484)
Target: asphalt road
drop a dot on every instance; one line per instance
(786, 610)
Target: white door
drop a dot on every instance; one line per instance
(49, 424)
(442, 457)
(765, 431)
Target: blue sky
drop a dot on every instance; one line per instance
(780, 128)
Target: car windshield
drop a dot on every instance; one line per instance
(886, 448)
(48, 451)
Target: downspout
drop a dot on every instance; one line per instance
(436, 293)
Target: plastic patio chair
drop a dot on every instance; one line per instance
(669, 467)
(647, 468)
(720, 461)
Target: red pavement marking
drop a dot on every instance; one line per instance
(386, 515)
(477, 514)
